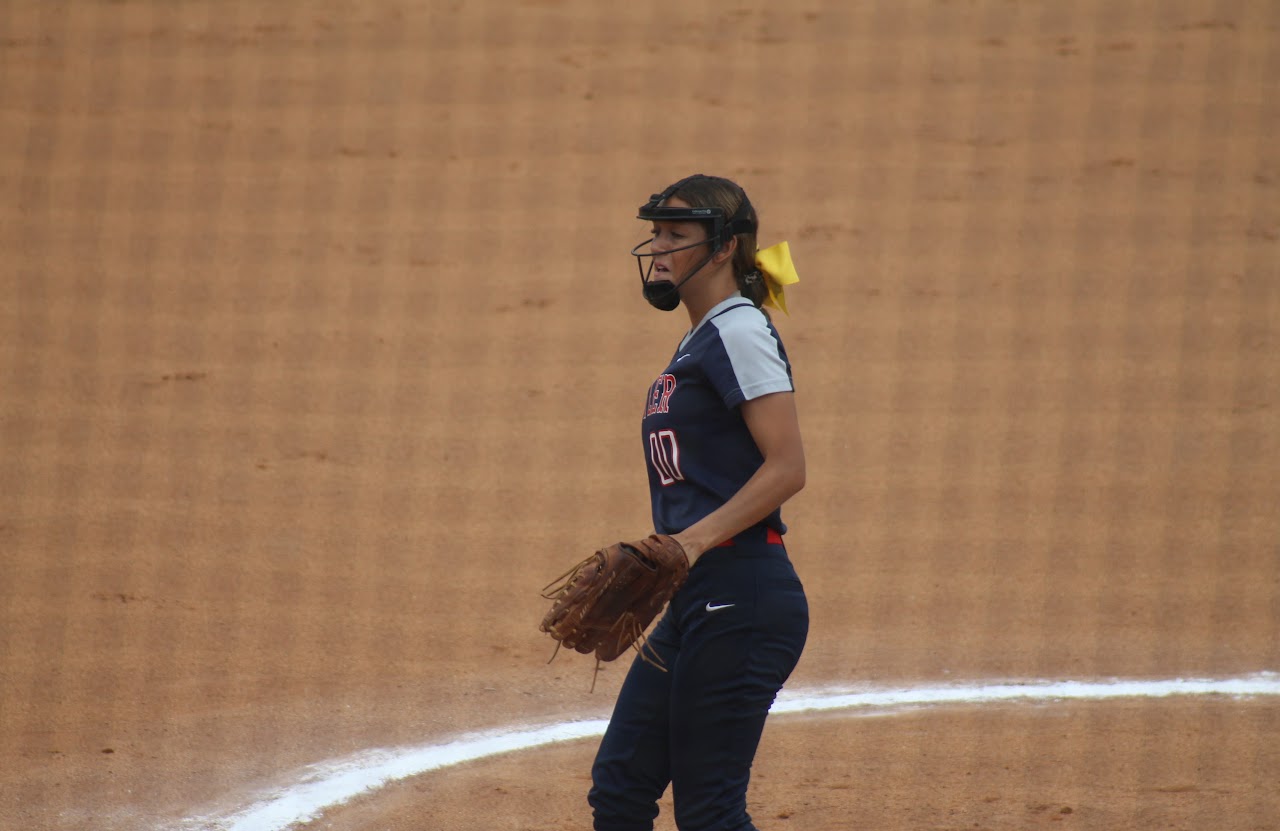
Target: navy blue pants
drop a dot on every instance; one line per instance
(729, 639)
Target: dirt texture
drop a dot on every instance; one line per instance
(321, 353)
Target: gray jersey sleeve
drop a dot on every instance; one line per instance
(755, 355)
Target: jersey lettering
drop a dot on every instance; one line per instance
(664, 453)
(660, 395)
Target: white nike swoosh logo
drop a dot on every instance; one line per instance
(713, 607)
(682, 357)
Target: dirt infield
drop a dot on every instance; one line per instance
(321, 353)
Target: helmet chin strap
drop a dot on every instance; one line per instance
(664, 295)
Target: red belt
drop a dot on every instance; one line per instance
(771, 536)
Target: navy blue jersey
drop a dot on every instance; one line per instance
(699, 450)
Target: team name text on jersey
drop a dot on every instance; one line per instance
(660, 395)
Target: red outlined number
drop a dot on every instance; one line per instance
(664, 453)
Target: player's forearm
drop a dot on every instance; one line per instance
(774, 483)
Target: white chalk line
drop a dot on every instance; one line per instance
(326, 785)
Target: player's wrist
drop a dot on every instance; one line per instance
(693, 548)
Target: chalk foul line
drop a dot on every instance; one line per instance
(326, 785)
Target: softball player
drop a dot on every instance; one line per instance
(723, 446)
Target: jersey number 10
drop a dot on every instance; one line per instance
(664, 453)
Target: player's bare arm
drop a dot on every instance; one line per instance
(775, 427)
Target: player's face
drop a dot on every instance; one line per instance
(671, 236)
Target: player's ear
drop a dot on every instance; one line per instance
(726, 251)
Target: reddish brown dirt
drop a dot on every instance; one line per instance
(320, 353)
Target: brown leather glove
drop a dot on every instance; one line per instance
(605, 603)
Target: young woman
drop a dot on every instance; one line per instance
(723, 446)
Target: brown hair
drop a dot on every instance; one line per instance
(728, 196)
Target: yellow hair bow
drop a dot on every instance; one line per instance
(775, 264)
